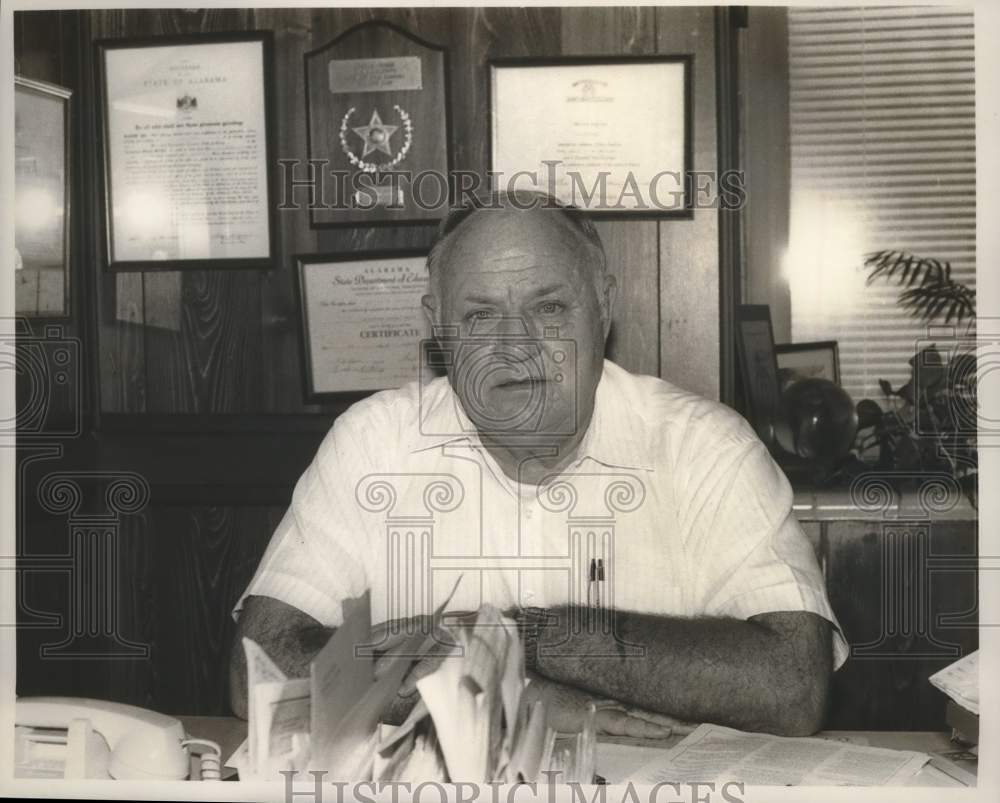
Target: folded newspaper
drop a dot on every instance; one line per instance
(716, 753)
(471, 722)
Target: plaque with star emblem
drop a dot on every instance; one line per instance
(377, 128)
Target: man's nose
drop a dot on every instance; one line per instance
(507, 326)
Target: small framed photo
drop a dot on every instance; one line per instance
(186, 151)
(42, 199)
(817, 360)
(363, 326)
(758, 368)
(609, 135)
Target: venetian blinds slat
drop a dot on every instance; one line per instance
(882, 109)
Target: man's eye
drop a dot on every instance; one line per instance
(551, 307)
(479, 315)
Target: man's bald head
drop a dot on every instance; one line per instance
(509, 220)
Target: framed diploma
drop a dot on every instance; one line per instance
(363, 326)
(608, 135)
(41, 199)
(377, 128)
(186, 151)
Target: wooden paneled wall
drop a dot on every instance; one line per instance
(227, 342)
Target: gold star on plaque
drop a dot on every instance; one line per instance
(376, 135)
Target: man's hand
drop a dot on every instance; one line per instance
(390, 639)
(566, 711)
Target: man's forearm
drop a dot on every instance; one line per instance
(745, 674)
(292, 650)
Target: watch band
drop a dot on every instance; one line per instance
(530, 622)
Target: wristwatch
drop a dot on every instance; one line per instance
(530, 621)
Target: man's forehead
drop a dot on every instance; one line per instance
(502, 240)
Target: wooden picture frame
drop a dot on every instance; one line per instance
(377, 78)
(42, 218)
(819, 359)
(758, 369)
(583, 90)
(186, 148)
(362, 323)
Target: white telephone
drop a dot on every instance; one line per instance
(76, 738)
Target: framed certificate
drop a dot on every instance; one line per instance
(41, 199)
(363, 326)
(608, 135)
(186, 151)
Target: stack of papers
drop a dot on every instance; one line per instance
(715, 753)
(960, 681)
(472, 721)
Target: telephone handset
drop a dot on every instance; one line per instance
(71, 737)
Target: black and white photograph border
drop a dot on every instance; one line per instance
(47, 406)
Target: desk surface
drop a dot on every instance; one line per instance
(230, 731)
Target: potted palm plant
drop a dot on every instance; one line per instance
(928, 423)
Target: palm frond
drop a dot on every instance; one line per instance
(949, 298)
(907, 269)
(930, 290)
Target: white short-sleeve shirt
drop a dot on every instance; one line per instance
(673, 493)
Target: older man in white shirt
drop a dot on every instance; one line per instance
(641, 535)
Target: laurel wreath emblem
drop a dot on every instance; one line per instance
(371, 167)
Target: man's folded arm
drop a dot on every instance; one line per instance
(768, 673)
(290, 638)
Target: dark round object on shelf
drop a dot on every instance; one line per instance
(869, 413)
(821, 420)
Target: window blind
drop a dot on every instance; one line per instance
(882, 113)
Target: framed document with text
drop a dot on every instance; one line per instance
(363, 326)
(186, 151)
(609, 135)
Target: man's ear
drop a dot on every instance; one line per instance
(608, 301)
(430, 304)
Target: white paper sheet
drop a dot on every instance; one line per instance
(960, 681)
(715, 753)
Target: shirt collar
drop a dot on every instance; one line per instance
(442, 418)
(611, 438)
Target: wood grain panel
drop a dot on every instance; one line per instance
(121, 343)
(205, 558)
(689, 249)
(212, 364)
(632, 248)
(891, 691)
(280, 358)
(38, 41)
(609, 30)
(137, 680)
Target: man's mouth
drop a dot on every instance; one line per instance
(519, 384)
